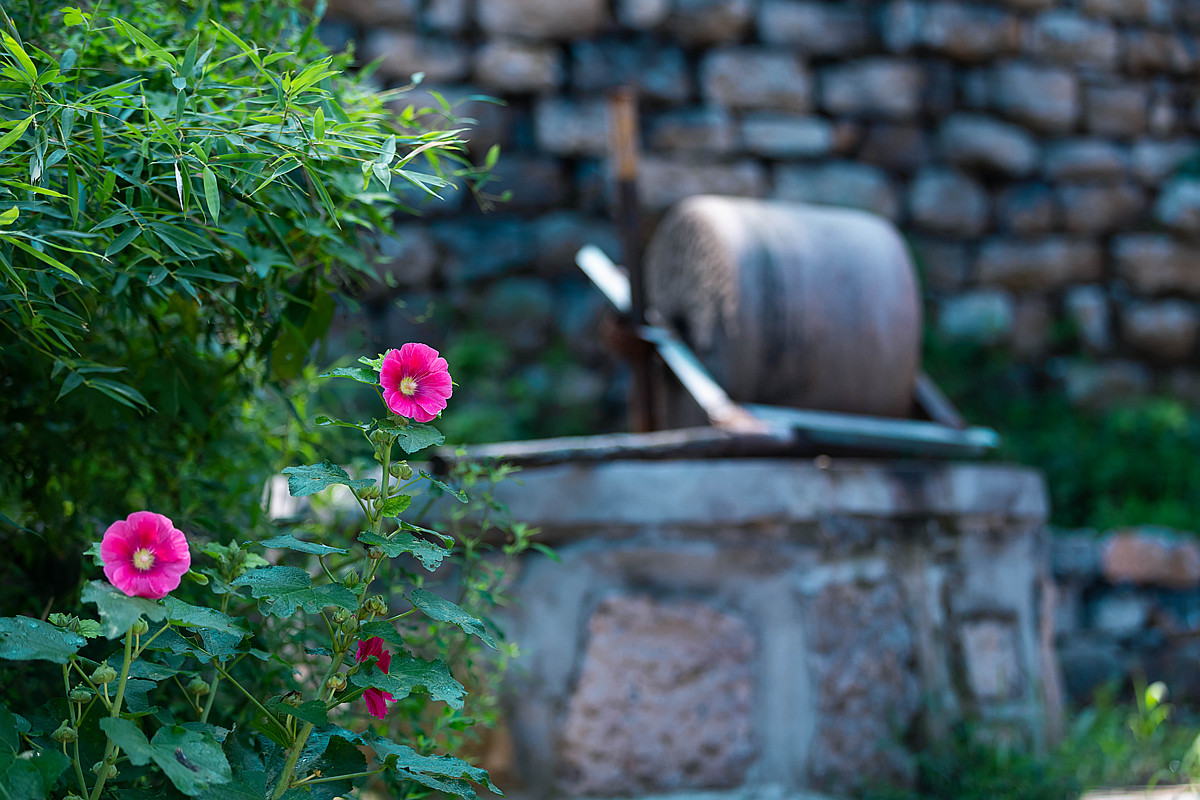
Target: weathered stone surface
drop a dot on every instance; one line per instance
(1028, 209)
(336, 34)
(375, 12)
(866, 686)
(1178, 206)
(773, 135)
(411, 256)
(970, 33)
(1152, 12)
(521, 307)
(643, 15)
(1121, 110)
(1087, 308)
(1185, 384)
(537, 183)
(753, 78)
(1099, 207)
(814, 27)
(942, 200)
(658, 73)
(405, 53)
(518, 66)
(1031, 327)
(560, 234)
(943, 263)
(1085, 160)
(663, 182)
(1075, 555)
(663, 701)
(1100, 385)
(1073, 40)
(567, 128)
(1038, 264)
(897, 146)
(890, 88)
(1044, 98)
(445, 16)
(708, 22)
(1155, 263)
(1154, 161)
(1120, 614)
(838, 183)
(1163, 330)
(544, 19)
(693, 130)
(992, 659)
(1087, 664)
(978, 141)
(1150, 556)
(478, 251)
(1154, 52)
(984, 316)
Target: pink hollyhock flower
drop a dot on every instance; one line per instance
(377, 699)
(415, 381)
(144, 555)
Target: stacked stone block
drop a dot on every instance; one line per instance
(1030, 149)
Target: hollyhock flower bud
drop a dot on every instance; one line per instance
(64, 734)
(351, 580)
(375, 554)
(198, 687)
(375, 605)
(368, 492)
(100, 769)
(81, 694)
(350, 625)
(336, 683)
(401, 470)
(140, 628)
(341, 615)
(416, 382)
(103, 674)
(144, 555)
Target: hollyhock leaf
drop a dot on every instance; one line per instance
(394, 506)
(118, 610)
(33, 775)
(312, 711)
(303, 481)
(384, 630)
(418, 436)
(191, 759)
(94, 552)
(408, 526)
(281, 590)
(357, 373)
(28, 639)
(407, 673)
(430, 554)
(89, 628)
(248, 785)
(457, 494)
(402, 758)
(9, 733)
(289, 542)
(137, 693)
(374, 363)
(323, 421)
(442, 609)
(190, 616)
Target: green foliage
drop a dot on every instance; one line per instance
(184, 191)
(25, 639)
(1129, 465)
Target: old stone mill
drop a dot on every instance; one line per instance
(806, 572)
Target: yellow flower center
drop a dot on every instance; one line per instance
(408, 386)
(143, 559)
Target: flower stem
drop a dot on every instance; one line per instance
(289, 766)
(75, 724)
(330, 779)
(110, 749)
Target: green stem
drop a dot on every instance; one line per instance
(289, 766)
(75, 724)
(216, 678)
(250, 697)
(143, 645)
(110, 749)
(311, 781)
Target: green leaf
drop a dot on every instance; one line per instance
(442, 609)
(284, 589)
(323, 421)
(407, 673)
(28, 639)
(118, 610)
(289, 542)
(457, 494)
(357, 373)
(385, 631)
(122, 241)
(312, 711)
(319, 124)
(190, 616)
(431, 555)
(191, 759)
(15, 133)
(10, 216)
(10, 730)
(303, 481)
(415, 436)
(395, 506)
(32, 775)
(248, 785)
(212, 195)
(426, 769)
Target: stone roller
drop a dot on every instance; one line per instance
(791, 304)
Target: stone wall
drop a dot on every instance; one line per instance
(726, 624)
(1029, 149)
(1128, 607)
